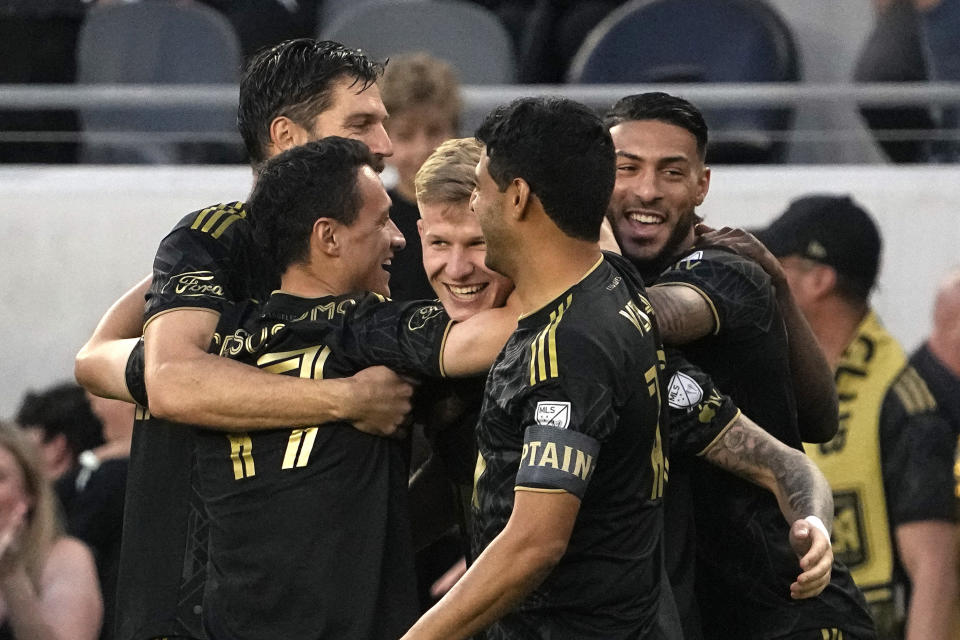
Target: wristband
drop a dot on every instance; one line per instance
(818, 523)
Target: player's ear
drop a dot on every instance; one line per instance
(286, 134)
(703, 185)
(821, 280)
(520, 195)
(325, 238)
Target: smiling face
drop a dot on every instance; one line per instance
(368, 244)
(453, 258)
(660, 181)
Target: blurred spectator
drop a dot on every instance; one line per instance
(263, 23)
(422, 96)
(38, 39)
(63, 425)
(891, 462)
(48, 583)
(894, 52)
(913, 41)
(547, 33)
(96, 490)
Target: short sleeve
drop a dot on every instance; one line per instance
(205, 261)
(698, 412)
(406, 336)
(737, 290)
(134, 375)
(917, 457)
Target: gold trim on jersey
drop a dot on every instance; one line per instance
(443, 346)
(166, 311)
(703, 294)
(206, 221)
(720, 435)
(520, 487)
(582, 278)
(141, 413)
(241, 454)
(543, 348)
(914, 393)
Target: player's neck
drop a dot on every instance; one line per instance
(551, 269)
(300, 280)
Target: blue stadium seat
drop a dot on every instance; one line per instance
(156, 42)
(464, 34)
(652, 41)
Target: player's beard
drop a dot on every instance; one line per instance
(678, 237)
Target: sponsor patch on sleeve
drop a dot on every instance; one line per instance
(683, 391)
(553, 414)
(557, 460)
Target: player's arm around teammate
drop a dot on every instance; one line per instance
(802, 491)
(375, 400)
(817, 396)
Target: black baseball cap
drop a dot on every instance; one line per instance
(830, 229)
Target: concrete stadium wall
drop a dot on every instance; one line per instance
(73, 239)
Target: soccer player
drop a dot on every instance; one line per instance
(722, 310)
(309, 533)
(297, 91)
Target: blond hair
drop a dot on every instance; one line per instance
(418, 79)
(41, 524)
(448, 175)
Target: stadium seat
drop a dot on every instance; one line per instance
(157, 42)
(466, 35)
(652, 41)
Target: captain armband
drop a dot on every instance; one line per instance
(556, 459)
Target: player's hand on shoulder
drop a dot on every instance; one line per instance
(745, 244)
(379, 402)
(813, 549)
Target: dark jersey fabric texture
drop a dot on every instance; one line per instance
(408, 280)
(573, 404)
(744, 561)
(309, 527)
(207, 260)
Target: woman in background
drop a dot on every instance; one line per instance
(48, 582)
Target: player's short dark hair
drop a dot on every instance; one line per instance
(300, 186)
(294, 79)
(62, 409)
(562, 150)
(664, 107)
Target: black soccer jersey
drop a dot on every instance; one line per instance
(573, 404)
(309, 530)
(163, 557)
(745, 563)
(208, 260)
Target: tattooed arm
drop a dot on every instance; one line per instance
(748, 451)
(683, 315)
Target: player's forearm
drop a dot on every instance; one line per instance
(223, 394)
(933, 605)
(813, 381)
(506, 572)
(748, 451)
(99, 365)
(471, 346)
